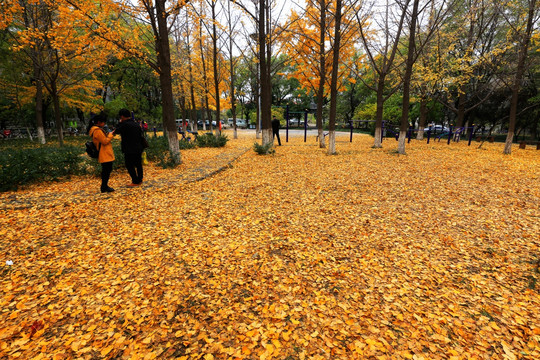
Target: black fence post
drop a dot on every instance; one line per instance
(305, 126)
(287, 124)
(471, 131)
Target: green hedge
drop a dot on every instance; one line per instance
(25, 162)
(24, 166)
(209, 140)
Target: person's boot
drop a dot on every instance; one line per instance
(107, 189)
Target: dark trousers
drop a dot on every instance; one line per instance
(106, 169)
(276, 133)
(134, 167)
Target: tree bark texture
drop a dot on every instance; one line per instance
(232, 71)
(524, 46)
(264, 68)
(404, 126)
(332, 142)
(334, 81)
(377, 141)
(322, 73)
(39, 106)
(165, 80)
(215, 67)
(423, 118)
(57, 118)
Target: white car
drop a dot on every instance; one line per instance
(241, 123)
(438, 128)
(223, 125)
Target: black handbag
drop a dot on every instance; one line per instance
(144, 141)
(145, 144)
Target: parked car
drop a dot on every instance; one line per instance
(223, 125)
(438, 128)
(296, 122)
(201, 122)
(241, 123)
(179, 122)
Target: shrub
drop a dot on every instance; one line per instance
(186, 144)
(209, 140)
(157, 148)
(264, 149)
(25, 162)
(158, 151)
(24, 166)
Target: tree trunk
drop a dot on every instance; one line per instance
(377, 143)
(267, 137)
(258, 110)
(524, 45)
(423, 118)
(39, 106)
(205, 81)
(331, 142)
(57, 117)
(30, 21)
(334, 80)
(401, 142)
(231, 69)
(461, 109)
(191, 85)
(404, 126)
(215, 67)
(266, 83)
(322, 74)
(165, 80)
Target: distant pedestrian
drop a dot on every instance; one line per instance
(102, 139)
(132, 146)
(275, 129)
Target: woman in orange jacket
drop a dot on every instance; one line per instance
(102, 141)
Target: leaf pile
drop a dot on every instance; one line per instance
(299, 255)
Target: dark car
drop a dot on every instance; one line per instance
(200, 123)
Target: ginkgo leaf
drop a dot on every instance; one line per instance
(365, 254)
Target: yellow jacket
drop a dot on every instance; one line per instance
(106, 153)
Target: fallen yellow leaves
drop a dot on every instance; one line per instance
(300, 255)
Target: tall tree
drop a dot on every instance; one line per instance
(407, 78)
(215, 63)
(469, 48)
(382, 56)
(264, 35)
(523, 37)
(130, 38)
(64, 57)
(307, 41)
(205, 82)
(334, 79)
(232, 21)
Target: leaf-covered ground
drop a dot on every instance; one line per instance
(363, 255)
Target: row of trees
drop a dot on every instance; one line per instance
(466, 60)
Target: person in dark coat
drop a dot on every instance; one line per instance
(132, 146)
(275, 129)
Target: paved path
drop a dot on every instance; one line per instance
(200, 171)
